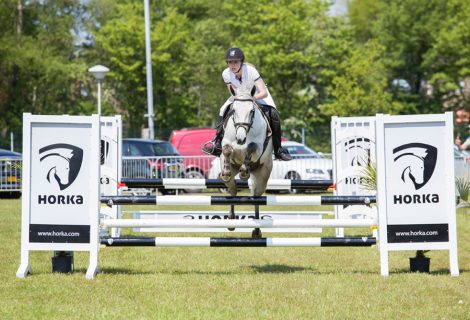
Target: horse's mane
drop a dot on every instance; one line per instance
(243, 93)
(243, 96)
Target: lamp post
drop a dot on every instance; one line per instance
(148, 59)
(99, 72)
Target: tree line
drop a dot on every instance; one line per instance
(385, 56)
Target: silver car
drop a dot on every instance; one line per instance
(306, 164)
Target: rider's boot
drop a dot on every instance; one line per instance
(214, 147)
(279, 152)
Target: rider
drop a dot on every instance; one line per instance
(237, 74)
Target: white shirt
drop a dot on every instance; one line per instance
(249, 76)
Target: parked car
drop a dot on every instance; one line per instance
(305, 165)
(10, 174)
(143, 158)
(188, 142)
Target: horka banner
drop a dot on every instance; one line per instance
(61, 157)
(416, 191)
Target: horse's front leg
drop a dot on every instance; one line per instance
(251, 156)
(232, 189)
(256, 233)
(226, 171)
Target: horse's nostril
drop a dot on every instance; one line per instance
(241, 141)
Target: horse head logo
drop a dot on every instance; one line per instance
(416, 162)
(62, 162)
(104, 151)
(359, 150)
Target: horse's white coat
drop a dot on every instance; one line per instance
(237, 140)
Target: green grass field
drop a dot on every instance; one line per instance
(233, 283)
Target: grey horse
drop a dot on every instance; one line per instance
(246, 149)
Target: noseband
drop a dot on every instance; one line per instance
(246, 125)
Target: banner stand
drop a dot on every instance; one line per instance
(415, 183)
(60, 187)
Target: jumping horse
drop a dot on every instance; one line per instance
(246, 149)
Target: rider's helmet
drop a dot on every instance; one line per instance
(234, 54)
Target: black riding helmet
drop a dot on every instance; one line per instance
(234, 54)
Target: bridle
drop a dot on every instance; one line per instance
(246, 125)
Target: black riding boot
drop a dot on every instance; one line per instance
(279, 152)
(214, 147)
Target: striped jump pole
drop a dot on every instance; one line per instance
(246, 223)
(238, 242)
(273, 184)
(273, 214)
(237, 200)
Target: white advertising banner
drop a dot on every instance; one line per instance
(110, 160)
(416, 193)
(60, 186)
(353, 148)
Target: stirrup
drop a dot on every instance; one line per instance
(282, 155)
(210, 148)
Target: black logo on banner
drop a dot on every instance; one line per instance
(416, 162)
(104, 151)
(52, 233)
(360, 150)
(418, 233)
(358, 155)
(63, 163)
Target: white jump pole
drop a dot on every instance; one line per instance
(249, 223)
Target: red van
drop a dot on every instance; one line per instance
(189, 142)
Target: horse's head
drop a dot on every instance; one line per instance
(58, 166)
(244, 111)
(416, 170)
(411, 165)
(62, 170)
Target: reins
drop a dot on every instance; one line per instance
(246, 125)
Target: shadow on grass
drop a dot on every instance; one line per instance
(127, 271)
(279, 268)
(437, 272)
(255, 269)
(270, 268)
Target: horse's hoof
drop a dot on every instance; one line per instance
(244, 174)
(244, 177)
(256, 233)
(225, 178)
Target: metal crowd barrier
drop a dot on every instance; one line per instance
(10, 176)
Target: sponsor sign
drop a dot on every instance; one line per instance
(110, 160)
(353, 148)
(61, 186)
(416, 193)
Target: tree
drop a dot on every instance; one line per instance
(181, 61)
(363, 14)
(41, 72)
(448, 60)
(425, 49)
(361, 90)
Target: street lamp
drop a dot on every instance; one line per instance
(99, 72)
(148, 59)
